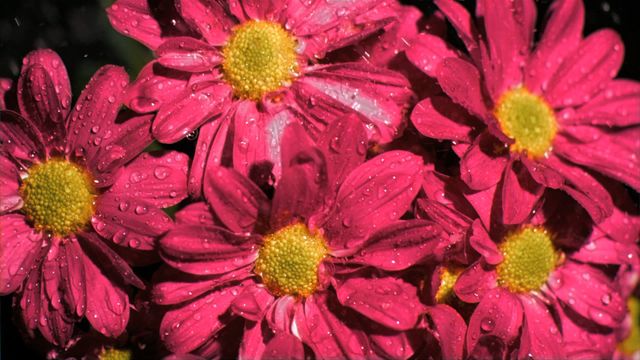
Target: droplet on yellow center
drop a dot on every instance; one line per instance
(528, 120)
(289, 259)
(448, 278)
(631, 345)
(259, 57)
(58, 197)
(529, 258)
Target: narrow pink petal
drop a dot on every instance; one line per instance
(95, 109)
(379, 96)
(462, 22)
(482, 243)
(204, 250)
(461, 81)
(107, 304)
(450, 329)
(55, 69)
(135, 18)
(560, 37)
(252, 303)
(197, 213)
(159, 179)
(5, 90)
(190, 109)
(520, 194)
(481, 167)
(582, 339)
(391, 344)
(427, 51)
(264, 9)
(451, 220)
(53, 323)
(235, 199)
(254, 337)
(188, 54)
(439, 118)
(211, 139)
(402, 245)
(543, 172)
(602, 304)
(30, 299)
(154, 87)
(284, 346)
(189, 326)
(498, 317)
(604, 251)
(73, 279)
(377, 298)
(539, 338)
(618, 104)
(20, 138)
(10, 199)
(595, 62)
(129, 221)
(317, 317)
(376, 193)
(107, 259)
(475, 282)
(208, 17)
(19, 251)
(295, 140)
(483, 204)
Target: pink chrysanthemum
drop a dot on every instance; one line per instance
(314, 265)
(525, 119)
(71, 182)
(242, 70)
(537, 282)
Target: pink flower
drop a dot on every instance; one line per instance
(524, 119)
(317, 264)
(5, 86)
(77, 200)
(242, 70)
(534, 282)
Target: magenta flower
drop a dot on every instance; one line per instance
(525, 119)
(242, 70)
(76, 199)
(527, 277)
(315, 265)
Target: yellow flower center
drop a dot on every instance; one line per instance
(529, 258)
(448, 278)
(259, 57)
(631, 345)
(528, 120)
(115, 354)
(289, 259)
(58, 197)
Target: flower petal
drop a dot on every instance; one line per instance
(439, 118)
(154, 87)
(482, 243)
(618, 104)
(481, 167)
(475, 282)
(450, 328)
(5, 89)
(427, 52)
(10, 199)
(462, 22)
(19, 251)
(108, 260)
(20, 138)
(208, 17)
(284, 346)
(252, 303)
(520, 194)
(211, 141)
(539, 338)
(72, 277)
(461, 81)
(188, 54)
(135, 18)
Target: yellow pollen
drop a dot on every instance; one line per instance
(114, 354)
(259, 57)
(631, 345)
(289, 259)
(448, 278)
(529, 258)
(58, 197)
(528, 120)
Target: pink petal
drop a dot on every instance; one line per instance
(375, 194)
(379, 96)
(234, 198)
(329, 335)
(208, 17)
(391, 344)
(543, 172)
(520, 194)
(108, 260)
(601, 304)
(10, 199)
(450, 328)
(188, 54)
(595, 62)
(197, 213)
(264, 9)
(30, 299)
(584, 340)
(72, 278)
(254, 336)
(5, 90)
(190, 109)
(376, 298)
(280, 315)
(187, 327)
(618, 104)
(402, 245)
(159, 179)
(284, 346)
(427, 51)
(129, 221)
(53, 323)
(560, 37)
(481, 167)
(475, 282)
(206, 136)
(19, 251)
(482, 202)
(439, 118)
(295, 140)
(498, 317)
(540, 338)
(462, 22)
(154, 87)
(252, 303)
(107, 304)
(461, 81)
(20, 138)
(207, 250)
(135, 18)
(57, 73)
(482, 243)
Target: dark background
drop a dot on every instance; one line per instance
(80, 32)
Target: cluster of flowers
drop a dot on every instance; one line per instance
(318, 216)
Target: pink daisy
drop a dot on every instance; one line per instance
(242, 70)
(316, 265)
(532, 281)
(525, 119)
(77, 198)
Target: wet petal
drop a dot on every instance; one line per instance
(520, 194)
(475, 282)
(540, 338)
(618, 104)
(208, 17)
(440, 118)
(188, 54)
(461, 81)
(481, 167)
(449, 328)
(211, 141)
(482, 243)
(135, 18)
(252, 303)
(154, 87)
(108, 260)
(10, 198)
(20, 138)
(427, 52)
(284, 346)
(19, 251)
